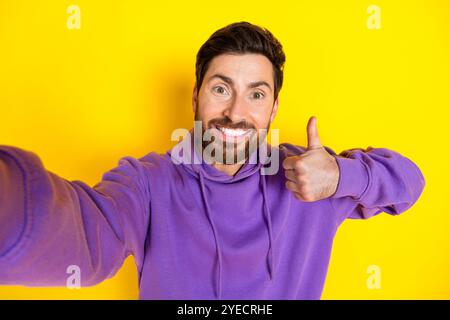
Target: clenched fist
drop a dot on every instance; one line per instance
(313, 175)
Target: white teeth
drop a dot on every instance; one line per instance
(233, 132)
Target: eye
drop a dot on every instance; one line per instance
(257, 95)
(219, 90)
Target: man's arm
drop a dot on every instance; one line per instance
(375, 180)
(48, 223)
(359, 183)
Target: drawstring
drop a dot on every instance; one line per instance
(268, 219)
(216, 237)
(269, 226)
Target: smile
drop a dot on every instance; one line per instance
(234, 132)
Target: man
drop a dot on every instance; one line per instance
(199, 229)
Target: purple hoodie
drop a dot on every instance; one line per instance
(195, 232)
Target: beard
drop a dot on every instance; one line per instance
(218, 147)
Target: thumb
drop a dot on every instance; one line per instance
(313, 134)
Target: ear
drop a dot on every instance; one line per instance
(274, 110)
(194, 98)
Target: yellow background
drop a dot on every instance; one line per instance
(82, 99)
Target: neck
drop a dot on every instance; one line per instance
(229, 169)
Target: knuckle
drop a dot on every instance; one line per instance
(290, 174)
(308, 196)
(304, 189)
(303, 179)
(299, 165)
(306, 192)
(297, 196)
(288, 185)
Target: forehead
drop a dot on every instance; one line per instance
(242, 67)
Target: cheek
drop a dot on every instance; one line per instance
(207, 112)
(211, 108)
(260, 116)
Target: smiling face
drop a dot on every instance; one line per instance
(236, 98)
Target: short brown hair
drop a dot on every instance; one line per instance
(242, 37)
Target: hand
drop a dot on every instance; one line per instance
(313, 175)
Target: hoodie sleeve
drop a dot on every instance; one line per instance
(48, 224)
(375, 180)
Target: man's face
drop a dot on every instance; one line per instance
(236, 98)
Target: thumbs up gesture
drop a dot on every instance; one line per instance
(313, 175)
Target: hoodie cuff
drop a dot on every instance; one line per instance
(353, 178)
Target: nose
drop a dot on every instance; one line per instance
(236, 110)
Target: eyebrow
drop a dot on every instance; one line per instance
(230, 81)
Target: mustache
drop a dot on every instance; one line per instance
(226, 122)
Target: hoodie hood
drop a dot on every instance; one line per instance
(205, 172)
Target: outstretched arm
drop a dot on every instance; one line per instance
(375, 180)
(48, 223)
(359, 183)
